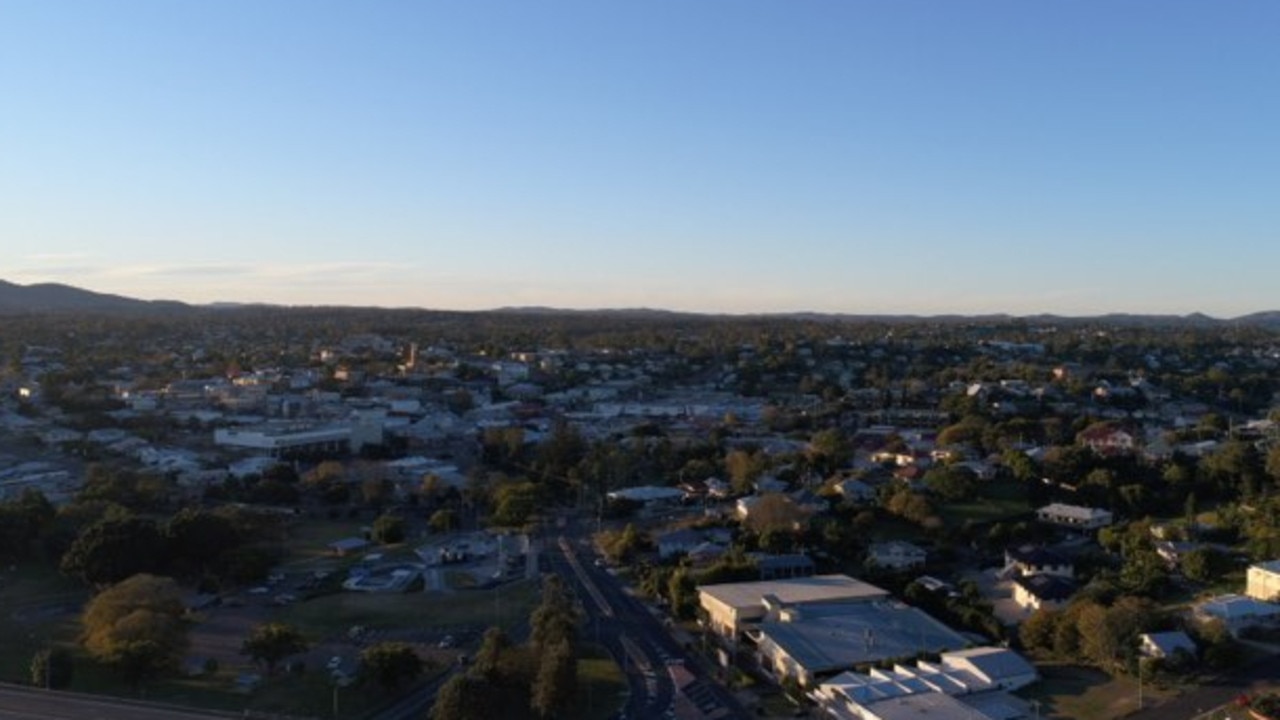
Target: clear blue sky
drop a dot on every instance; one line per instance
(717, 155)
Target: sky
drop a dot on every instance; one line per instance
(734, 156)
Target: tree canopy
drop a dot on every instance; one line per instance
(137, 626)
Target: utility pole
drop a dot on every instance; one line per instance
(1139, 684)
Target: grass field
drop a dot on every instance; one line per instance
(601, 685)
(37, 608)
(996, 501)
(1080, 693)
(334, 614)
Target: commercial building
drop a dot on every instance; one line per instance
(966, 685)
(822, 640)
(732, 607)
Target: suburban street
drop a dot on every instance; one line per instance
(637, 640)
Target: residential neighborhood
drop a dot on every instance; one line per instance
(777, 517)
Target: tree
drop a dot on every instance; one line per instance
(682, 594)
(51, 668)
(111, 550)
(621, 546)
(272, 642)
(1037, 632)
(554, 620)
(556, 683)
(21, 523)
(443, 520)
(388, 529)
(196, 539)
(390, 664)
(744, 468)
(829, 450)
(1203, 564)
(488, 662)
(1273, 463)
(777, 512)
(465, 696)
(951, 482)
(516, 503)
(137, 626)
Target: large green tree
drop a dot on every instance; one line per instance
(112, 549)
(272, 642)
(555, 685)
(390, 664)
(137, 626)
(198, 539)
(389, 529)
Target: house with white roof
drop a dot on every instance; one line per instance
(1074, 516)
(896, 555)
(1166, 644)
(1262, 581)
(1238, 612)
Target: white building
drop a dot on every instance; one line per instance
(1166, 644)
(1238, 612)
(1074, 516)
(1262, 582)
(284, 440)
(821, 640)
(896, 555)
(730, 607)
(964, 685)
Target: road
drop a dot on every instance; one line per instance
(638, 640)
(22, 703)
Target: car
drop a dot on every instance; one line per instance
(446, 642)
(260, 590)
(335, 662)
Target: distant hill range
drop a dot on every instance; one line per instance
(53, 297)
(58, 298)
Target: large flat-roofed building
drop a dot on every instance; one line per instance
(1262, 582)
(731, 606)
(822, 640)
(969, 685)
(283, 441)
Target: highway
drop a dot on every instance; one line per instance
(637, 640)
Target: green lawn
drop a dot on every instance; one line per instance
(334, 614)
(37, 604)
(995, 501)
(309, 538)
(1080, 693)
(601, 685)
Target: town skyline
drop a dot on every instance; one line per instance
(736, 158)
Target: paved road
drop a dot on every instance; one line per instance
(20, 703)
(638, 640)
